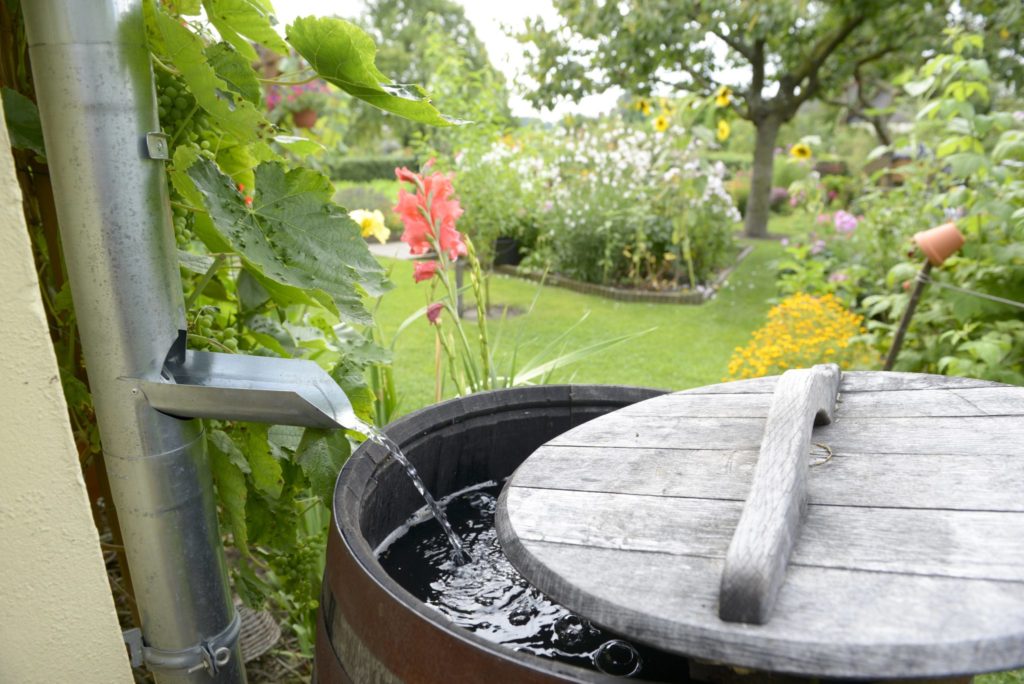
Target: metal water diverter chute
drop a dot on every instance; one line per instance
(94, 85)
(197, 384)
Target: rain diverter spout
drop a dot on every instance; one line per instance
(196, 384)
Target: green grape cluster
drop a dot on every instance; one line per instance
(300, 572)
(181, 118)
(182, 223)
(211, 331)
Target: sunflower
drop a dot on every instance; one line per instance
(643, 106)
(723, 130)
(723, 96)
(661, 123)
(801, 151)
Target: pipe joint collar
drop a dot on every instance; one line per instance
(210, 654)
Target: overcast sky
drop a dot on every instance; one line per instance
(488, 18)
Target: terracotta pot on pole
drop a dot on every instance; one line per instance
(937, 244)
(306, 118)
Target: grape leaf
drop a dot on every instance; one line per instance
(321, 454)
(293, 234)
(232, 493)
(237, 161)
(186, 7)
(298, 145)
(235, 115)
(196, 263)
(266, 471)
(252, 19)
(343, 54)
(23, 125)
(219, 440)
(235, 70)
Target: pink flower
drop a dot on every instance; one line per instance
(429, 214)
(818, 247)
(845, 222)
(434, 312)
(794, 200)
(838, 277)
(832, 194)
(824, 218)
(424, 270)
(784, 242)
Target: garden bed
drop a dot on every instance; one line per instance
(625, 294)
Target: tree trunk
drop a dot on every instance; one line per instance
(758, 201)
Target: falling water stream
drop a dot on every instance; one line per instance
(378, 437)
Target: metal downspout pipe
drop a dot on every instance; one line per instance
(94, 84)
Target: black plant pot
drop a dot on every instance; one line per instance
(506, 252)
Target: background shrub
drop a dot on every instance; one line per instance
(362, 169)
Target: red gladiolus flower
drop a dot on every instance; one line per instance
(430, 213)
(434, 312)
(424, 270)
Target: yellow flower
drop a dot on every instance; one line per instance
(643, 106)
(801, 151)
(723, 96)
(661, 123)
(723, 130)
(666, 105)
(1004, 34)
(801, 331)
(371, 223)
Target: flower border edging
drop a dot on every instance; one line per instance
(624, 295)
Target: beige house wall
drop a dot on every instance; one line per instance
(57, 619)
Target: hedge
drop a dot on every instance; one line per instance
(362, 169)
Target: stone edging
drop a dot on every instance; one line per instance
(625, 295)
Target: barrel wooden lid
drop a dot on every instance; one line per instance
(909, 561)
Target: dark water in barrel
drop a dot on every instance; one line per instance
(455, 544)
(486, 595)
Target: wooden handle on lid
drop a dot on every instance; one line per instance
(755, 564)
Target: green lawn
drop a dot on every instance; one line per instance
(690, 346)
(387, 187)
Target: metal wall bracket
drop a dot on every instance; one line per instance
(210, 655)
(156, 146)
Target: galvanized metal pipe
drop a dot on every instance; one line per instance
(94, 84)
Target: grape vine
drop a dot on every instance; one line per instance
(253, 284)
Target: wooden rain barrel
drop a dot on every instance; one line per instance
(863, 525)
(370, 629)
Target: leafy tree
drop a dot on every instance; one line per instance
(407, 34)
(788, 52)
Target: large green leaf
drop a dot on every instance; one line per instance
(232, 493)
(238, 117)
(266, 470)
(321, 454)
(237, 20)
(343, 54)
(23, 125)
(293, 234)
(236, 71)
